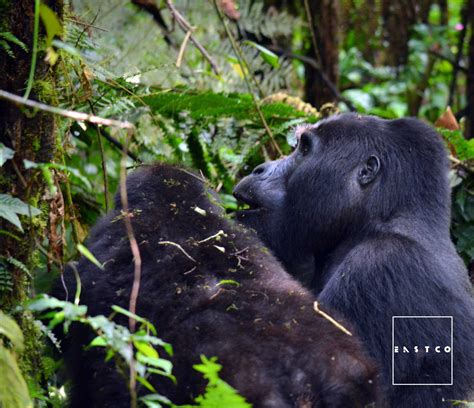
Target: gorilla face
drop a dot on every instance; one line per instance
(348, 175)
(299, 196)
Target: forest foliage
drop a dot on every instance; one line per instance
(111, 59)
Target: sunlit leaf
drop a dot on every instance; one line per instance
(51, 23)
(88, 254)
(10, 330)
(267, 55)
(5, 154)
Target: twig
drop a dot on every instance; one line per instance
(217, 235)
(179, 60)
(70, 204)
(186, 27)
(327, 317)
(63, 112)
(103, 163)
(86, 24)
(137, 261)
(179, 247)
(241, 59)
(117, 144)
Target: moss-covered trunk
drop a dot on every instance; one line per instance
(32, 137)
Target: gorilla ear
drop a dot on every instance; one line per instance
(369, 170)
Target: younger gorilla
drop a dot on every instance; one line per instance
(360, 212)
(227, 298)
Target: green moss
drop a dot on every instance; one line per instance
(30, 360)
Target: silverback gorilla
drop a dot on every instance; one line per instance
(360, 212)
(228, 298)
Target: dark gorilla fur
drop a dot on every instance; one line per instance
(274, 348)
(360, 212)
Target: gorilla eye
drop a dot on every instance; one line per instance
(305, 143)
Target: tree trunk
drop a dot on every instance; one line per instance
(324, 15)
(32, 137)
(398, 19)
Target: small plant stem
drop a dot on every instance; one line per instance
(245, 72)
(34, 52)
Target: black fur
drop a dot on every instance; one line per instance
(360, 213)
(275, 350)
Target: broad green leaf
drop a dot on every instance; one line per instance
(11, 206)
(5, 154)
(51, 23)
(10, 330)
(146, 349)
(88, 254)
(98, 342)
(13, 389)
(267, 55)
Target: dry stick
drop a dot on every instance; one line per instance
(83, 117)
(86, 24)
(137, 266)
(179, 60)
(179, 247)
(327, 317)
(186, 27)
(240, 59)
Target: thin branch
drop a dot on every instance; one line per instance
(137, 261)
(116, 143)
(186, 27)
(245, 71)
(150, 7)
(103, 162)
(18, 100)
(333, 321)
(216, 236)
(82, 23)
(179, 247)
(179, 60)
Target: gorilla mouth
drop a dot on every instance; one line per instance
(249, 204)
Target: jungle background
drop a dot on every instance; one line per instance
(89, 89)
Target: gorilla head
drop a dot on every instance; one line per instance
(348, 174)
(360, 213)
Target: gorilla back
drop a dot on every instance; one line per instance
(360, 212)
(210, 288)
